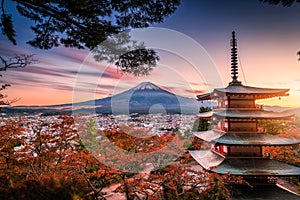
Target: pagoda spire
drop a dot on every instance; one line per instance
(234, 62)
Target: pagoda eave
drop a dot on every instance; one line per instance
(207, 159)
(209, 135)
(245, 114)
(253, 114)
(254, 139)
(249, 90)
(244, 138)
(204, 97)
(209, 96)
(257, 97)
(256, 167)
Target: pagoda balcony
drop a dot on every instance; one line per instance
(242, 129)
(235, 130)
(239, 107)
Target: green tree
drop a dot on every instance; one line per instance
(83, 23)
(202, 124)
(205, 109)
(89, 136)
(128, 55)
(282, 2)
(86, 24)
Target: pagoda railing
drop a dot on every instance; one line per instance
(241, 107)
(238, 129)
(243, 129)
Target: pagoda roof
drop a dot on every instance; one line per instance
(263, 192)
(257, 167)
(205, 114)
(239, 89)
(255, 139)
(206, 96)
(244, 138)
(247, 114)
(207, 159)
(243, 166)
(242, 89)
(209, 135)
(254, 114)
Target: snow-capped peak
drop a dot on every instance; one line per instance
(146, 86)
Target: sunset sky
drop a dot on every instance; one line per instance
(194, 49)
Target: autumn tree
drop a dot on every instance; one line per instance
(85, 170)
(180, 181)
(50, 161)
(287, 154)
(16, 182)
(10, 139)
(171, 182)
(285, 129)
(222, 186)
(67, 159)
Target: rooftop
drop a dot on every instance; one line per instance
(256, 166)
(245, 138)
(263, 192)
(259, 93)
(209, 135)
(247, 114)
(255, 139)
(243, 166)
(206, 158)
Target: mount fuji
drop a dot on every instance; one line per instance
(144, 98)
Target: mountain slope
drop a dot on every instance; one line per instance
(144, 98)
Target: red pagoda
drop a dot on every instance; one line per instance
(236, 139)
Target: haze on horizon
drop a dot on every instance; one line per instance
(268, 40)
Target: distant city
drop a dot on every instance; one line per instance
(156, 124)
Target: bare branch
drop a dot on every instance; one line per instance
(18, 61)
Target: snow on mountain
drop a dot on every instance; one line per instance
(146, 86)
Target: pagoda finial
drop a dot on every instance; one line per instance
(234, 67)
(234, 62)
